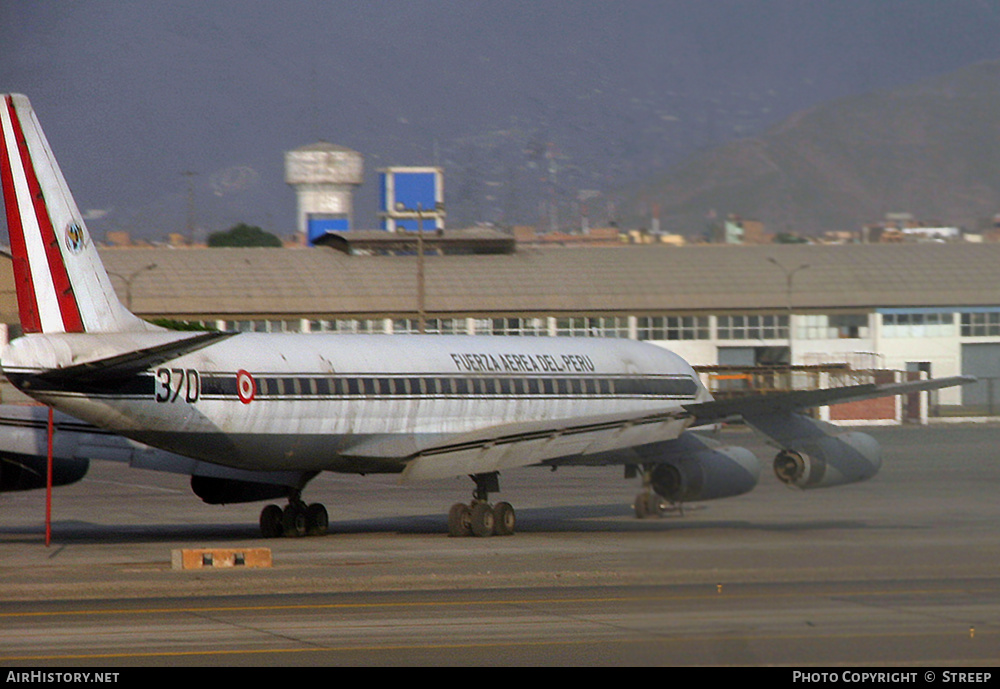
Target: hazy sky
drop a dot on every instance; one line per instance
(519, 101)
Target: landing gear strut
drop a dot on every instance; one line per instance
(295, 520)
(480, 518)
(649, 503)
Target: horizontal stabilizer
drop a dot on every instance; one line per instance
(131, 362)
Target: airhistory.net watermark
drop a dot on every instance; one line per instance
(44, 676)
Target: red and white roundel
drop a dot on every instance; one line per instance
(246, 388)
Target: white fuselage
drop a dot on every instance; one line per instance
(303, 402)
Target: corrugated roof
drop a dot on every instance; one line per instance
(319, 281)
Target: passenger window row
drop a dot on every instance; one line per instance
(447, 386)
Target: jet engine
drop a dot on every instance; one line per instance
(27, 472)
(829, 461)
(227, 491)
(709, 473)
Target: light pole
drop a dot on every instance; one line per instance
(128, 282)
(421, 311)
(789, 277)
(401, 212)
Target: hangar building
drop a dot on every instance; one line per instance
(932, 308)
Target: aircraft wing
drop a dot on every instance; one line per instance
(768, 404)
(522, 444)
(532, 442)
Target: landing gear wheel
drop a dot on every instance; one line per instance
(505, 519)
(639, 506)
(293, 521)
(648, 504)
(317, 520)
(482, 520)
(459, 520)
(270, 522)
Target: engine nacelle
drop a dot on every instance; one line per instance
(227, 491)
(708, 474)
(830, 461)
(28, 472)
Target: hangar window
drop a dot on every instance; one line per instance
(445, 326)
(571, 327)
(833, 326)
(766, 327)
(348, 325)
(264, 326)
(599, 326)
(608, 326)
(432, 326)
(980, 324)
(529, 327)
(673, 327)
(919, 324)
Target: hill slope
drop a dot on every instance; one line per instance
(931, 149)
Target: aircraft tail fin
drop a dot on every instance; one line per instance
(61, 283)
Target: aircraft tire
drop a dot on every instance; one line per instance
(293, 521)
(459, 520)
(270, 522)
(505, 519)
(317, 520)
(641, 505)
(483, 520)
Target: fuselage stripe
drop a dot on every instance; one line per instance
(271, 387)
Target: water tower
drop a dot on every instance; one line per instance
(324, 176)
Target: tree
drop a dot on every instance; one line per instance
(243, 235)
(789, 238)
(173, 324)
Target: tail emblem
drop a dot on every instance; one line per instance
(74, 238)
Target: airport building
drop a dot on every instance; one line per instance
(930, 309)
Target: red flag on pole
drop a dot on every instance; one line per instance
(48, 488)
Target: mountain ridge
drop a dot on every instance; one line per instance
(931, 149)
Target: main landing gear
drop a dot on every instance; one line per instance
(649, 503)
(481, 518)
(297, 519)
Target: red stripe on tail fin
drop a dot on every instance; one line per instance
(68, 308)
(27, 306)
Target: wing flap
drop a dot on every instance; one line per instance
(516, 445)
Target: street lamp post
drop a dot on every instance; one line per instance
(789, 277)
(128, 281)
(421, 310)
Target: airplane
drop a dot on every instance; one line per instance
(255, 416)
